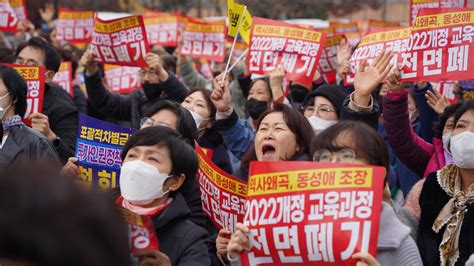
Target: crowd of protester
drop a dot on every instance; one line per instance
(425, 144)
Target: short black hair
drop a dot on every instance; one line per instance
(48, 219)
(368, 144)
(52, 60)
(466, 106)
(186, 126)
(17, 88)
(183, 157)
(443, 118)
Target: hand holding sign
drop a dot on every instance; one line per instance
(89, 63)
(239, 241)
(221, 94)
(40, 122)
(368, 78)
(394, 80)
(153, 258)
(276, 81)
(222, 241)
(155, 64)
(365, 259)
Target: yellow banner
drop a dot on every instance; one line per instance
(118, 25)
(385, 36)
(222, 181)
(28, 72)
(234, 13)
(304, 180)
(444, 19)
(287, 32)
(159, 20)
(424, 1)
(16, 3)
(333, 40)
(76, 15)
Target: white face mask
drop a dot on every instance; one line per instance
(319, 124)
(197, 118)
(141, 183)
(3, 110)
(462, 149)
(446, 139)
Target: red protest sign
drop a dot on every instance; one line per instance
(34, 77)
(372, 44)
(122, 79)
(222, 195)
(121, 41)
(273, 43)
(306, 213)
(205, 40)
(441, 45)
(446, 89)
(327, 63)
(141, 232)
(63, 77)
(8, 18)
(341, 28)
(416, 5)
(161, 29)
(19, 7)
(74, 26)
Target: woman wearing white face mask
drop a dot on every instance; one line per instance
(323, 106)
(447, 220)
(18, 142)
(156, 161)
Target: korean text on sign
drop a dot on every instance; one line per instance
(222, 195)
(63, 77)
(441, 47)
(161, 29)
(75, 26)
(397, 40)
(416, 5)
(205, 40)
(141, 234)
(34, 77)
(327, 62)
(8, 17)
(19, 8)
(122, 79)
(98, 149)
(274, 43)
(305, 213)
(120, 41)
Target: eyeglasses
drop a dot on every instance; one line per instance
(149, 122)
(322, 111)
(343, 156)
(29, 62)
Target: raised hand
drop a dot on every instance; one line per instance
(87, 61)
(394, 83)
(48, 12)
(239, 241)
(276, 81)
(221, 94)
(437, 101)
(367, 78)
(344, 52)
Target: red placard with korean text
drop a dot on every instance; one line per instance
(372, 44)
(34, 77)
(141, 232)
(222, 195)
(161, 29)
(416, 5)
(19, 7)
(441, 47)
(8, 18)
(446, 89)
(205, 40)
(327, 63)
(340, 28)
(63, 77)
(122, 79)
(120, 41)
(306, 213)
(273, 43)
(75, 26)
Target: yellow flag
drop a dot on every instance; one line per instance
(234, 13)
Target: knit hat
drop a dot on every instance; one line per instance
(334, 93)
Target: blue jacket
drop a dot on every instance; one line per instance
(237, 134)
(427, 115)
